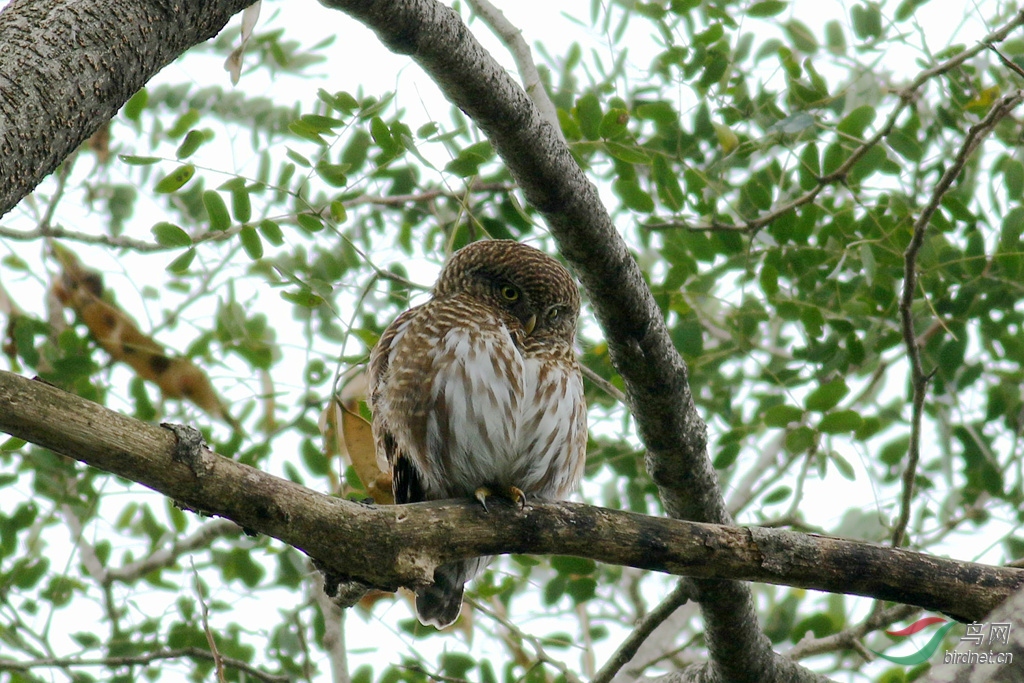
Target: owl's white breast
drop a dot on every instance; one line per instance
(499, 419)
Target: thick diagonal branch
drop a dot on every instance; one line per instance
(654, 374)
(67, 67)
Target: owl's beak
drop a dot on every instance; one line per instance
(530, 323)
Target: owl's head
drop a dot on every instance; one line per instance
(532, 287)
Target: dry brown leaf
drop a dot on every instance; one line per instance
(81, 289)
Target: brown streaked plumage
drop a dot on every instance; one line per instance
(478, 392)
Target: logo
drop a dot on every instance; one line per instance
(925, 653)
(998, 633)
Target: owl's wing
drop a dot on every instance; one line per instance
(407, 484)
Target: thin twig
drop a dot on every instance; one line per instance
(145, 246)
(918, 379)
(512, 37)
(679, 596)
(203, 537)
(333, 641)
(850, 637)
(218, 659)
(139, 660)
(603, 384)
(542, 655)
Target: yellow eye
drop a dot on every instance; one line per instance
(553, 314)
(509, 293)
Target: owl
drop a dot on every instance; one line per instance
(477, 392)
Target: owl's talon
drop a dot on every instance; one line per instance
(481, 495)
(513, 493)
(517, 496)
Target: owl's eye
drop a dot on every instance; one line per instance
(509, 293)
(554, 314)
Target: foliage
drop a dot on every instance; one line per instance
(768, 175)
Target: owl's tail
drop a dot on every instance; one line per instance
(439, 605)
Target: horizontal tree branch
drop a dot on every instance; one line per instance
(407, 542)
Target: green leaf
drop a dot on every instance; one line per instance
(216, 210)
(170, 235)
(251, 242)
(802, 37)
(304, 297)
(174, 180)
(320, 124)
(271, 231)
(800, 439)
(582, 589)
(712, 34)
(241, 204)
(632, 196)
(381, 134)
(133, 160)
(905, 145)
(835, 38)
(631, 154)
(135, 105)
(827, 396)
(782, 415)
(183, 124)
(12, 444)
(843, 465)
(1013, 172)
(554, 590)
(778, 495)
(893, 452)
(867, 20)
(333, 174)
(726, 456)
(839, 421)
(309, 222)
(810, 166)
(857, 121)
(193, 140)
(669, 191)
(613, 123)
(457, 664)
(572, 565)
(588, 110)
(906, 9)
(767, 8)
(338, 212)
(181, 264)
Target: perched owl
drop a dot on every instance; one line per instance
(477, 392)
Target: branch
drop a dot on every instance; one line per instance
(53, 98)
(542, 656)
(850, 637)
(165, 557)
(400, 545)
(918, 379)
(138, 660)
(512, 37)
(679, 596)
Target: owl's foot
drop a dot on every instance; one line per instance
(513, 493)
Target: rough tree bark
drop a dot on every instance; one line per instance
(67, 67)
